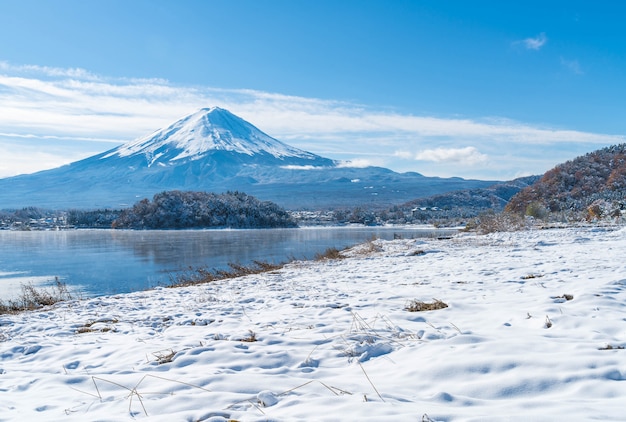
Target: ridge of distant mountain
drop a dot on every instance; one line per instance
(494, 197)
(213, 150)
(576, 184)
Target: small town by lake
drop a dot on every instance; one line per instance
(104, 262)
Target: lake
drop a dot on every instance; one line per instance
(103, 262)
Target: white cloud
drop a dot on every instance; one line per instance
(534, 43)
(572, 65)
(466, 156)
(357, 163)
(21, 158)
(50, 105)
(294, 167)
(403, 154)
(47, 71)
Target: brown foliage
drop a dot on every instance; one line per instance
(575, 184)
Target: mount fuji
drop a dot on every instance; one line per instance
(214, 150)
(210, 132)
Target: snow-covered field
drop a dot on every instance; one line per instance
(534, 330)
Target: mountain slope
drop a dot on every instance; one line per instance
(205, 132)
(576, 184)
(214, 150)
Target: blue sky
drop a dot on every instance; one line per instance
(481, 89)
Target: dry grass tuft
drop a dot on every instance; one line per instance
(83, 330)
(367, 248)
(164, 356)
(372, 247)
(89, 326)
(419, 306)
(250, 338)
(611, 347)
(330, 253)
(548, 323)
(32, 298)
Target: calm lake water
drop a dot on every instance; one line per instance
(102, 262)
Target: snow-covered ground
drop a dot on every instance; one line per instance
(534, 330)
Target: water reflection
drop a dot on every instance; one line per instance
(112, 261)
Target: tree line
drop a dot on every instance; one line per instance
(188, 210)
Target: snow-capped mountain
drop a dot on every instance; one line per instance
(214, 150)
(205, 132)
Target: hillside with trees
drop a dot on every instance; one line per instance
(457, 206)
(589, 186)
(186, 210)
(92, 219)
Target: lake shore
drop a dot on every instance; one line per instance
(533, 330)
(96, 262)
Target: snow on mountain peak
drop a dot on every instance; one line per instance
(205, 131)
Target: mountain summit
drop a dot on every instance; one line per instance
(205, 132)
(213, 150)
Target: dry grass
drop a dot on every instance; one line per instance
(32, 298)
(491, 222)
(548, 323)
(611, 347)
(531, 276)
(250, 338)
(89, 326)
(330, 253)
(419, 306)
(371, 247)
(363, 249)
(164, 356)
(204, 275)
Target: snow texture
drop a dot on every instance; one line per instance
(534, 330)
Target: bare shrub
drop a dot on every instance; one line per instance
(537, 210)
(594, 212)
(501, 222)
